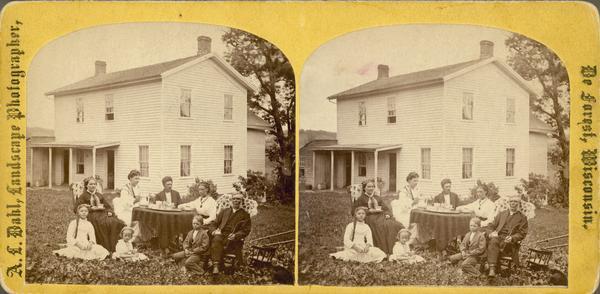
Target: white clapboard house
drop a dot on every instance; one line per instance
(183, 118)
(464, 121)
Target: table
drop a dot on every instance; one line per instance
(442, 226)
(167, 224)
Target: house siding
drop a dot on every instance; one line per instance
(538, 153)
(205, 130)
(256, 150)
(488, 133)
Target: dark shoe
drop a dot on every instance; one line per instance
(492, 271)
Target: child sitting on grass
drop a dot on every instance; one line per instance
(358, 241)
(81, 238)
(194, 246)
(402, 251)
(124, 249)
(471, 248)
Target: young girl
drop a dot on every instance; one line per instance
(358, 241)
(124, 248)
(402, 250)
(81, 239)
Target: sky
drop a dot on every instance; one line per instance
(71, 58)
(351, 60)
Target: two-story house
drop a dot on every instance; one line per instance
(183, 118)
(464, 121)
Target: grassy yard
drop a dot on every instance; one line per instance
(324, 216)
(49, 212)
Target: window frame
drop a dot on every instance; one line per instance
(465, 164)
(301, 168)
(185, 100)
(227, 97)
(391, 110)
(109, 116)
(466, 104)
(362, 156)
(80, 164)
(362, 111)
(79, 108)
(144, 165)
(509, 163)
(185, 160)
(228, 168)
(426, 174)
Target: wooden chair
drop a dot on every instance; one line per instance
(538, 259)
(509, 260)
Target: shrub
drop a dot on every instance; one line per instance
(256, 186)
(193, 189)
(490, 188)
(537, 190)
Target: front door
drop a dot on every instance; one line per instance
(348, 161)
(110, 172)
(392, 172)
(66, 167)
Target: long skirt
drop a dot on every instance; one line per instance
(373, 255)
(96, 252)
(107, 229)
(384, 231)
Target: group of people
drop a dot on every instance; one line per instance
(380, 232)
(102, 229)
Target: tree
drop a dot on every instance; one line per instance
(535, 62)
(275, 102)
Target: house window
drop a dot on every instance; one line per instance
(510, 162)
(426, 163)
(110, 113)
(391, 117)
(185, 102)
(467, 106)
(510, 110)
(302, 171)
(362, 164)
(144, 155)
(186, 159)
(79, 102)
(80, 166)
(467, 163)
(228, 107)
(228, 159)
(362, 114)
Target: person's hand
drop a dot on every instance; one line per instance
(187, 252)
(493, 234)
(387, 216)
(464, 254)
(217, 232)
(110, 213)
(508, 239)
(231, 237)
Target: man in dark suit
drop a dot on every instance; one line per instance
(447, 197)
(508, 228)
(168, 195)
(229, 229)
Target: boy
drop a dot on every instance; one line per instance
(194, 246)
(471, 248)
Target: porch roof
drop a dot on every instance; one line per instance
(358, 147)
(76, 144)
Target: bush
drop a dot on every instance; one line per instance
(256, 186)
(490, 188)
(537, 190)
(193, 189)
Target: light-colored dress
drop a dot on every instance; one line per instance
(205, 206)
(80, 236)
(126, 248)
(123, 204)
(485, 209)
(402, 206)
(362, 236)
(403, 253)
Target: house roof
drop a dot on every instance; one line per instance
(255, 122)
(425, 77)
(152, 72)
(359, 147)
(315, 144)
(76, 144)
(536, 125)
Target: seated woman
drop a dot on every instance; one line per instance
(402, 251)
(358, 242)
(125, 250)
(129, 197)
(81, 239)
(484, 208)
(379, 218)
(106, 226)
(205, 205)
(408, 197)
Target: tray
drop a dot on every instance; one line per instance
(444, 211)
(165, 209)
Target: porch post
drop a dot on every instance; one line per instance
(314, 170)
(332, 169)
(94, 162)
(49, 167)
(375, 177)
(32, 183)
(352, 168)
(70, 166)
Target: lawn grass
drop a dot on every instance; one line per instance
(49, 212)
(324, 216)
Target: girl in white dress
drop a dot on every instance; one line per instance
(402, 251)
(358, 241)
(81, 239)
(124, 249)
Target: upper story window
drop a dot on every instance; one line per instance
(228, 107)
(228, 159)
(426, 163)
(467, 106)
(467, 163)
(144, 160)
(185, 103)
(391, 112)
(362, 164)
(362, 114)
(80, 169)
(510, 162)
(109, 107)
(186, 159)
(79, 103)
(510, 110)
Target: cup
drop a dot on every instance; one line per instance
(378, 207)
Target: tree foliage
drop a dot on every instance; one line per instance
(535, 62)
(275, 101)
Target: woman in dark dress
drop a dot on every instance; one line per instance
(379, 217)
(106, 225)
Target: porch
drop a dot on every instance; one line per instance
(342, 165)
(63, 163)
